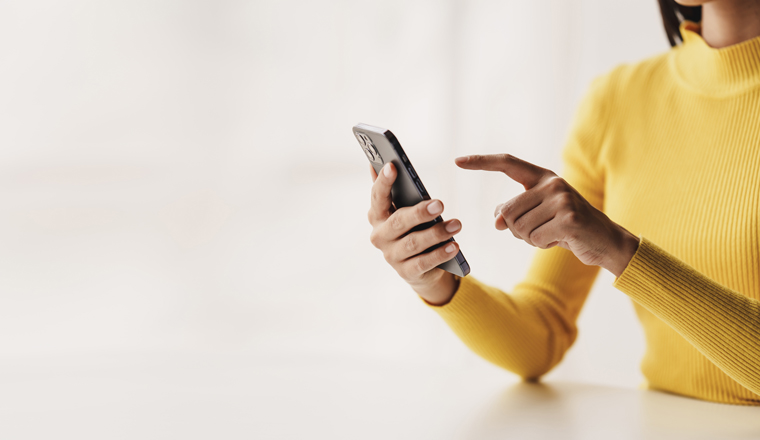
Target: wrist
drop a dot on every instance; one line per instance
(620, 253)
(439, 292)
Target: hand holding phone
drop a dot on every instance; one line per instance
(407, 225)
(405, 250)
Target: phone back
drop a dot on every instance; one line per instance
(383, 147)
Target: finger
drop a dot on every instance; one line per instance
(380, 208)
(372, 173)
(497, 210)
(424, 263)
(526, 173)
(547, 235)
(404, 219)
(499, 223)
(419, 242)
(531, 220)
(518, 206)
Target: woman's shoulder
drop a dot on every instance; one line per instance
(633, 79)
(613, 98)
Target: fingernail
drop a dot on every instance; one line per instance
(450, 248)
(463, 158)
(387, 170)
(435, 208)
(453, 226)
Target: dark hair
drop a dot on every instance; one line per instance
(672, 16)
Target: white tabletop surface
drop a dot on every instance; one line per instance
(161, 396)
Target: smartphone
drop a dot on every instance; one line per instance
(381, 146)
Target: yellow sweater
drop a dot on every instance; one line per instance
(669, 148)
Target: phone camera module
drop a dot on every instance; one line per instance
(369, 154)
(369, 148)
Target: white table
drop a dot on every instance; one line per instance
(195, 396)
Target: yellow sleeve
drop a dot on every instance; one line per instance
(722, 324)
(529, 330)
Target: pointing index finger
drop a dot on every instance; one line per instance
(517, 169)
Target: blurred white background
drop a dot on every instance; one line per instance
(179, 177)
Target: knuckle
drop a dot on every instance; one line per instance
(506, 209)
(537, 239)
(556, 183)
(396, 223)
(392, 256)
(572, 218)
(520, 224)
(565, 201)
(420, 266)
(411, 244)
(526, 238)
(374, 238)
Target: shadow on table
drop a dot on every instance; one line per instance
(526, 410)
(582, 411)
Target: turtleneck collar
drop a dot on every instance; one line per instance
(716, 72)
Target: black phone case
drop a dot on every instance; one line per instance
(408, 190)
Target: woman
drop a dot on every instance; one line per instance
(661, 186)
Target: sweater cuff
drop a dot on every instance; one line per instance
(651, 271)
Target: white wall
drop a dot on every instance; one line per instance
(180, 175)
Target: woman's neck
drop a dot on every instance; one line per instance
(728, 22)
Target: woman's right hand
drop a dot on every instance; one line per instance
(402, 250)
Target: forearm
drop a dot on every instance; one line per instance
(722, 324)
(517, 332)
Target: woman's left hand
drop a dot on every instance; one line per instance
(552, 213)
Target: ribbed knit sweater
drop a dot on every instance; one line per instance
(669, 148)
